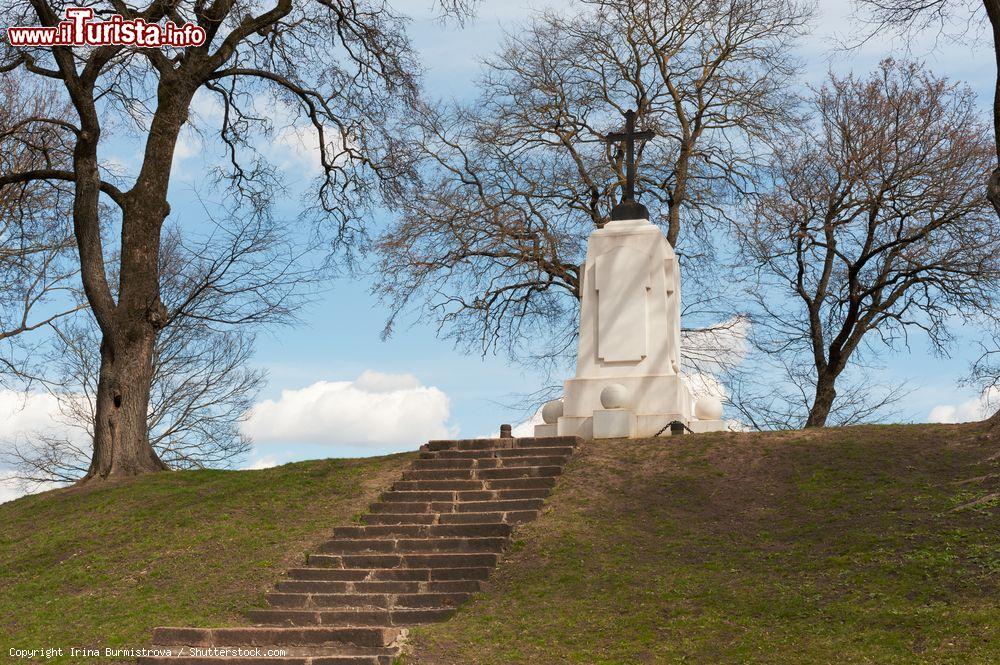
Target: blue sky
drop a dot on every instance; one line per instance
(334, 380)
(476, 386)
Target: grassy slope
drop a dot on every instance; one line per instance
(99, 567)
(829, 546)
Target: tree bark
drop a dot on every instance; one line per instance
(826, 393)
(993, 184)
(121, 434)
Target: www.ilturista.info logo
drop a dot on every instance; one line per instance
(80, 29)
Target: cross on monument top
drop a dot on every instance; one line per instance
(628, 207)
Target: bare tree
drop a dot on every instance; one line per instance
(876, 226)
(202, 390)
(489, 242)
(344, 66)
(776, 391)
(37, 276)
(956, 16)
(220, 290)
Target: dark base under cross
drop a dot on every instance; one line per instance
(628, 207)
(629, 210)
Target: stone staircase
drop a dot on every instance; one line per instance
(422, 550)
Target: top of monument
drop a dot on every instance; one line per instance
(628, 207)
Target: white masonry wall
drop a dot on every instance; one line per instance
(630, 335)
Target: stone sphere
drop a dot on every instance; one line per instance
(614, 396)
(552, 411)
(708, 408)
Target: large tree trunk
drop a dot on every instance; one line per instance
(993, 189)
(826, 393)
(130, 326)
(121, 434)
(993, 184)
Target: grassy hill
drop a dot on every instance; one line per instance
(864, 545)
(100, 567)
(837, 546)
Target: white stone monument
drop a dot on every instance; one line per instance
(628, 381)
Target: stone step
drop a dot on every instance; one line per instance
(285, 600)
(507, 473)
(348, 617)
(389, 574)
(423, 531)
(410, 496)
(375, 519)
(486, 463)
(495, 444)
(504, 517)
(404, 507)
(563, 452)
(440, 485)
(520, 483)
(438, 560)
(425, 547)
(472, 485)
(332, 659)
(409, 545)
(514, 505)
(342, 654)
(322, 586)
(490, 517)
(360, 636)
(483, 474)
(443, 507)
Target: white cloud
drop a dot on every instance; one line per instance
(376, 382)
(971, 410)
(188, 145)
(376, 413)
(527, 428)
(10, 488)
(262, 463)
(713, 350)
(721, 345)
(206, 108)
(23, 414)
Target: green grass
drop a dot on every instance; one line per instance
(863, 545)
(835, 546)
(101, 566)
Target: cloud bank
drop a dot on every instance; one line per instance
(375, 413)
(10, 488)
(971, 410)
(23, 415)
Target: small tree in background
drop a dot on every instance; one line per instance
(957, 17)
(876, 228)
(489, 242)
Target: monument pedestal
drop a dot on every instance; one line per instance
(702, 426)
(546, 429)
(613, 424)
(630, 338)
(663, 394)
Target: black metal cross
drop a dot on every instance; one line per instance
(628, 208)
